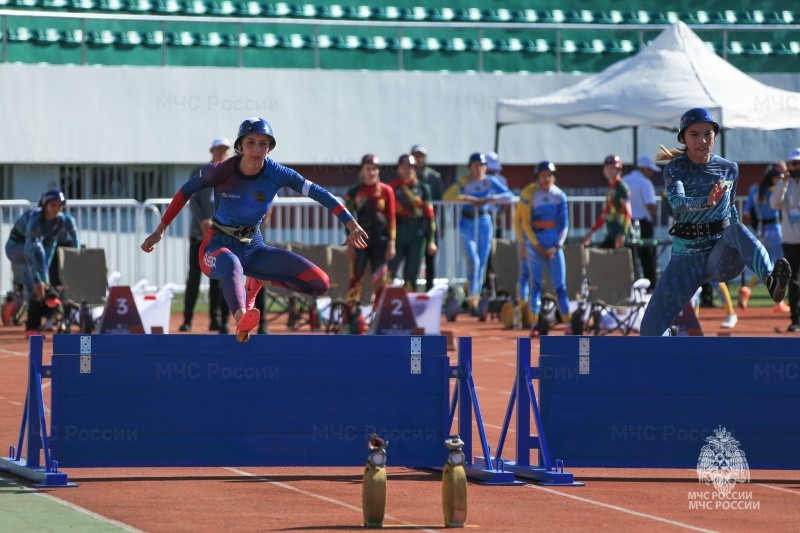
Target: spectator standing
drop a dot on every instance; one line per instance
(616, 214)
(373, 204)
(643, 215)
(541, 223)
(433, 180)
(478, 191)
(202, 208)
(766, 222)
(787, 198)
(416, 223)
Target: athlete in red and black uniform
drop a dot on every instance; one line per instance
(373, 204)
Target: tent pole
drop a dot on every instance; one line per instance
(635, 144)
(497, 127)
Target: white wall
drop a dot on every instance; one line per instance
(72, 114)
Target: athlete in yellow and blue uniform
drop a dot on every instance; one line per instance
(541, 224)
(709, 243)
(476, 227)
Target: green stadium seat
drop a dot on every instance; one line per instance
(609, 17)
(323, 41)
(265, 40)
(414, 14)
(280, 9)
(71, 38)
(167, 7)
(723, 17)
(524, 15)
(46, 36)
(779, 17)
(636, 17)
(583, 16)
(456, 44)
(51, 4)
(357, 12)
(23, 4)
(153, 39)
(664, 17)
(469, 15)
(594, 46)
(139, 6)
(303, 11)
(128, 39)
(623, 46)
(334, 11)
(444, 14)
(426, 44)
(386, 13)
(500, 15)
(81, 5)
(99, 39)
(111, 5)
(249, 8)
(180, 38)
(554, 16)
(568, 46)
(514, 45)
(751, 17)
(536, 46)
(193, 7)
(735, 48)
(786, 49)
(757, 49)
(19, 35)
(221, 8)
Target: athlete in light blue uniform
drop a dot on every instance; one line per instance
(244, 188)
(709, 243)
(479, 190)
(541, 224)
(32, 243)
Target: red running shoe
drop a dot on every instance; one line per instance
(247, 323)
(251, 288)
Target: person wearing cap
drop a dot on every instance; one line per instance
(643, 213)
(202, 207)
(373, 204)
(616, 214)
(33, 240)
(433, 180)
(766, 222)
(478, 191)
(541, 223)
(416, 222)
(709, 244)
(244, 188)
(786, 197)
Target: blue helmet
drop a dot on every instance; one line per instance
(693, 116)
(477, 156)
(254, 125)
(545, 165)
(52, 195)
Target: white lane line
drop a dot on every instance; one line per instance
(77, 508)
(790, 491)
(622, 509)
(321, 497)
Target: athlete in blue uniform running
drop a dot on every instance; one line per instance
(244, 187)
(709, 243)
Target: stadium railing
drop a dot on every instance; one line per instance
(120, 226)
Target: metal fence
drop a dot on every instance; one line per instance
(120, 226)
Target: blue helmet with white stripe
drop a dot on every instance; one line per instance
(254, 125)
(52, 195)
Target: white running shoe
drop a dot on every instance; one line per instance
(730, 321)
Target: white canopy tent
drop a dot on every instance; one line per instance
(676, 72)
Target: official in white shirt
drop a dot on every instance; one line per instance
(643, 209)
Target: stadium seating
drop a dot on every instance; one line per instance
(416, 48)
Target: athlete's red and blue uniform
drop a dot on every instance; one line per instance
(241, 202)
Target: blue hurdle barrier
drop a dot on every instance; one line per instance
(200, 400)
(523, 401)
(653, 401)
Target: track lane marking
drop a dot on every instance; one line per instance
(323, 498)
(622, 509)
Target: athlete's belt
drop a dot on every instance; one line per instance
(541, 225)
(688, 230)
(240, 233)
(768, 221)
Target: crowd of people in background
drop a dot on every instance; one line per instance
(401, 233)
